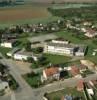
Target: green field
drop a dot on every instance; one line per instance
(57, 59)
(29, 21)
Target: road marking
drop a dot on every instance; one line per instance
(13, 96)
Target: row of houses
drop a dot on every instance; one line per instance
(58, 73)
(39, 27)
(86, 27)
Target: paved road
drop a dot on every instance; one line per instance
(25, 92)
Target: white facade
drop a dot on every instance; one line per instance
(24, 56)
(64, 50)
(90, 35)
(20, 57)
(7, 44)
(80, 53)
(59, 41)
(54, 76)
(4, 86)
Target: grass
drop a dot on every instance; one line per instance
(57, 59)
(33, 80)
(29, 21)
(59, 94)
(65, 6)
(4, 50)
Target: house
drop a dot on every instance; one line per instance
(8, 43)
(90, 92)
(4, 86)
(82, 68)
(75, 71)
(51, 73)
(22, 55)
(90, 33)
(89, 64)
(87, 23)
(59, 48)
(80, 85)
(89, 89)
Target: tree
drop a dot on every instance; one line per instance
(28, 46)
(30, 59)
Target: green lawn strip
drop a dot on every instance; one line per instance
(68, 91)
(57, 59)
(29, 21)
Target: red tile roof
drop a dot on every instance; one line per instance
(80, 85)
(74, 70)
(51, 71)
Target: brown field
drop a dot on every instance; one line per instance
(60, 1)
(22, 13)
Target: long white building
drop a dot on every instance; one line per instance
(64, 48)
(59, 48)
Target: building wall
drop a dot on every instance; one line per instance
(7, 45)
(55, 76)
(20, 57)
(58, 50)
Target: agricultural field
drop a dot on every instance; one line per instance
(61, 1)
(24, 14)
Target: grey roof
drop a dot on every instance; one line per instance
(42, 38)
(81, 48)
(14, 50)
(61, 45)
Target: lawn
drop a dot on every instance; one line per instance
(57, 59)
(34, 80)
(4, 50)
(58, 95)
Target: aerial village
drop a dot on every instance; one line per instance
(53, 60)
(33, 43)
